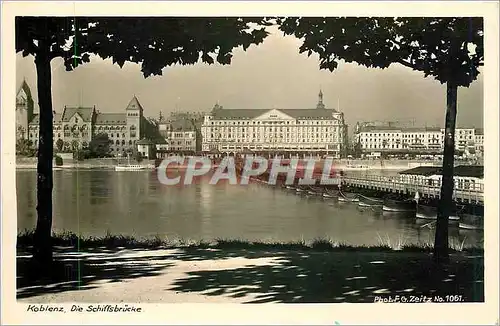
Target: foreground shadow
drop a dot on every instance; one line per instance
(74, 270)
(261, 275)
(329, 277)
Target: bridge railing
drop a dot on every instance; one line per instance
(474, 191)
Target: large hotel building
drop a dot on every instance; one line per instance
(318, 130)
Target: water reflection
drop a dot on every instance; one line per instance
(96, 202)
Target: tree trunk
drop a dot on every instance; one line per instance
(447, 184)
(42, 249)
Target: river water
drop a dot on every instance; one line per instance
(93, 203)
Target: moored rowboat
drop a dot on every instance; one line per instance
(434, 217)
(370, 201)
(348, 197)
(393, 205)
(469, 226)
(330, 194)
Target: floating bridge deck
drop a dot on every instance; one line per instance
(474, 194)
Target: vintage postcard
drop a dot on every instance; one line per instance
(250, 163)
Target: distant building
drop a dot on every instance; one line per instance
(75, 127)
(318, 130)
(412, 140)
(479, 141)
(179, 135)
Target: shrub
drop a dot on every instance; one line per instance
(59, 160)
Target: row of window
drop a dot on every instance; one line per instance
(267, 129)
(268, 147)
(84, 127)
(274, 141)
(327, 122)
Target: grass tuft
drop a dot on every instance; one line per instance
(25, 239)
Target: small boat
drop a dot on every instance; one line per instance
(330, 194)
(434, 217)
(394, 205)
(130, 167)
(370, 201)
(348, 197)
(430, 213)
(363, 204)
(469, 226)
(300, 189)
(290, 187)
(314, 190)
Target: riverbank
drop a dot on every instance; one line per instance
(30, 163)
(25, 240)
(238, 275)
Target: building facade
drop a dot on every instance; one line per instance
(179, 134)
(479, 140)
(317, 130)
(414, 140)
(75, 127)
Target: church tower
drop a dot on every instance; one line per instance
(134, 112)
(24, 110)
(320, 100)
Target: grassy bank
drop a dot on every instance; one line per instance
(69, 239)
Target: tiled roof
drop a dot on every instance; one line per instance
(85, 113)
(380, 128)
(111, 118)
(36, 119)
(235, 114)
(182, 125)
(398, 129)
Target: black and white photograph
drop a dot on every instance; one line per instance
(257, 159)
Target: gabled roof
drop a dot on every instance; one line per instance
(236, 114)
(111, 118)
(134, 104)
(25, 87)
(85, 113)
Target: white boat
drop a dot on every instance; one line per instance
(327, 194)
(130, 167)
(363, 204)
(469, 227)
(434, 217)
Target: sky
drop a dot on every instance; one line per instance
(270, 75)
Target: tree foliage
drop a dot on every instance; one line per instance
(154, 42)
(448, 49)
(99, 145)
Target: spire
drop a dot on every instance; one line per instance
(320, 100)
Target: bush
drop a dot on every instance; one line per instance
(59, 160)
(138, 157)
